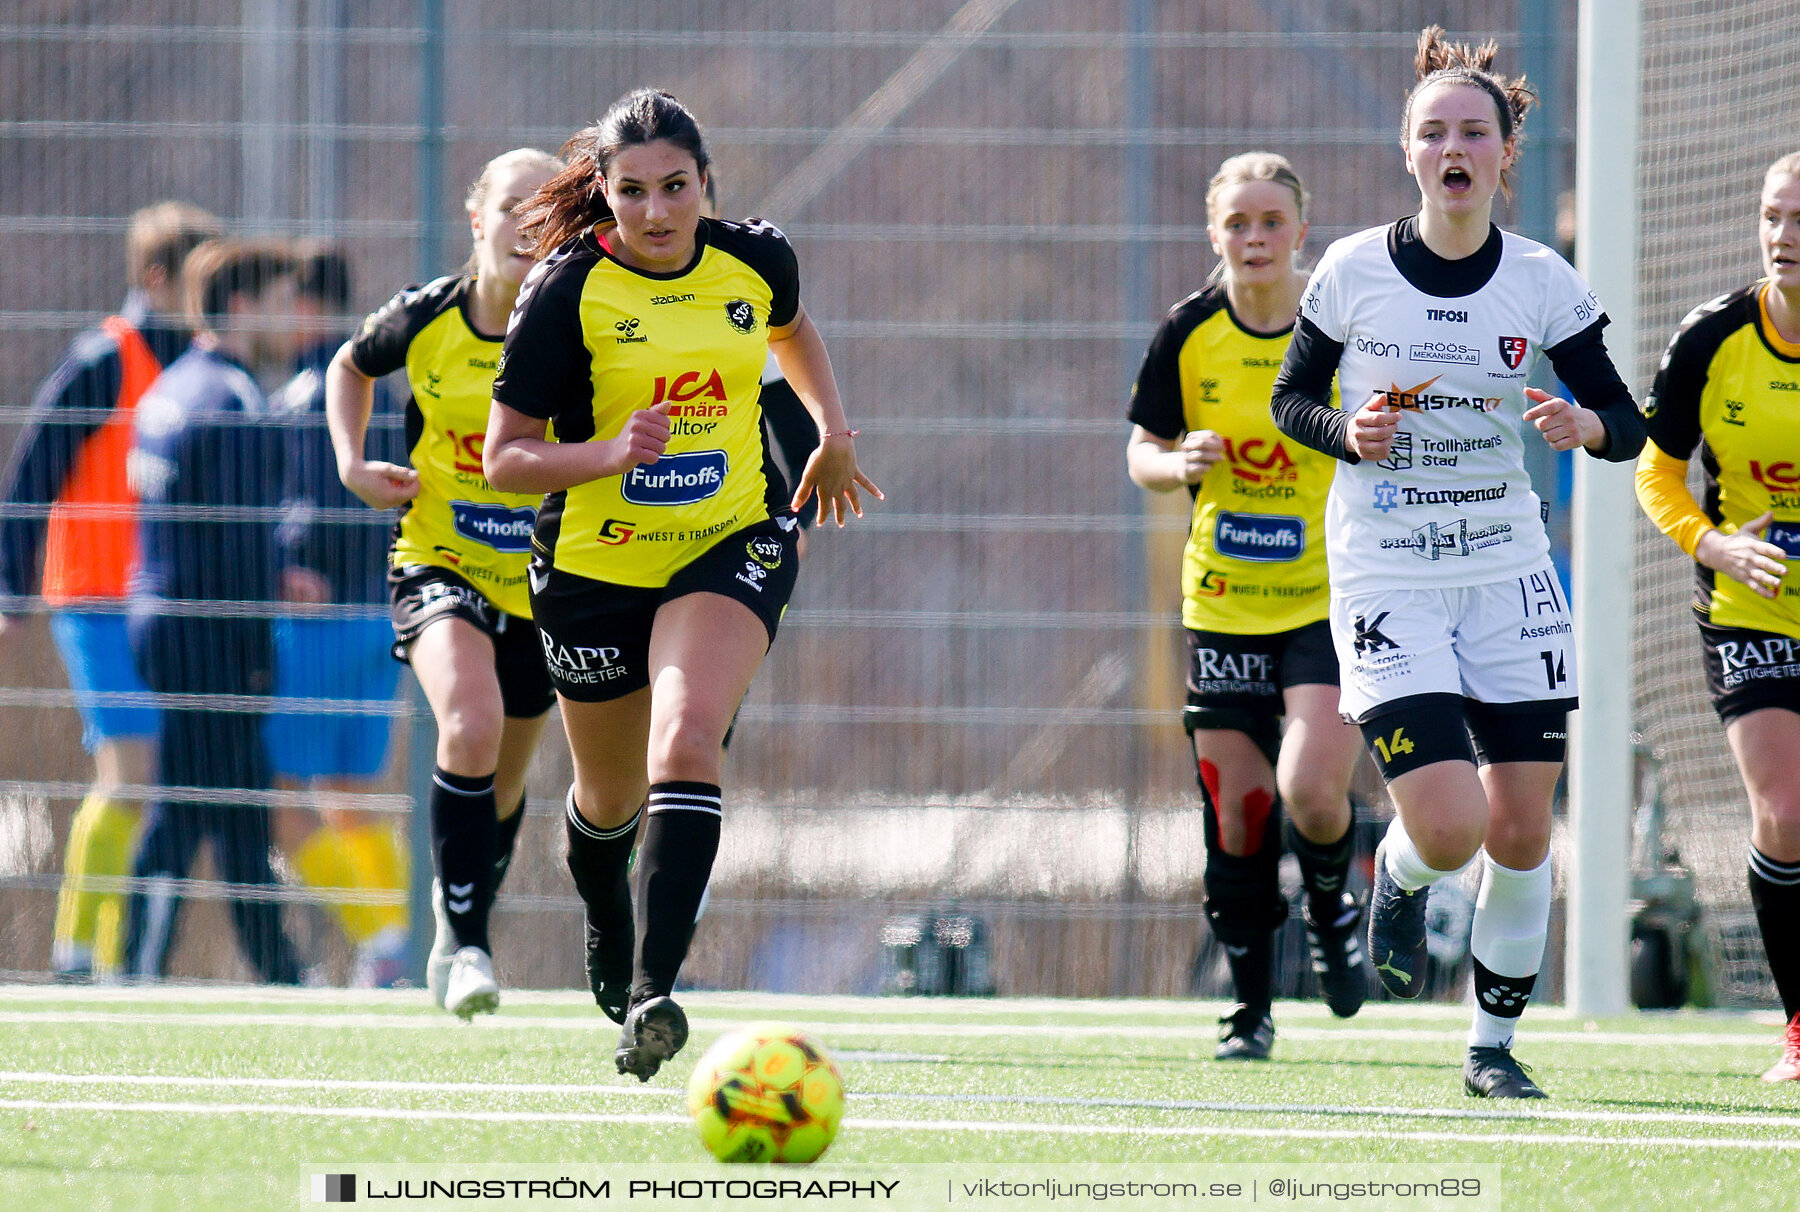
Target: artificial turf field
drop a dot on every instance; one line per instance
(219, 1098)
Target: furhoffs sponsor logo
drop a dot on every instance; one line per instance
(680, 479)
(1268, 538)
(494, 525)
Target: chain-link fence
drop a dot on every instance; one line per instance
(974, 696)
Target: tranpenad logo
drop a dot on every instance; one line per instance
(334, 1188)
(1263, 537)
(494, 525)
(1512, 351)
(741, 314)
(681, 479)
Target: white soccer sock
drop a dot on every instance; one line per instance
(1403, 862)
(1512, 920)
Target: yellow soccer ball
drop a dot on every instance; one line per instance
(766, 1093)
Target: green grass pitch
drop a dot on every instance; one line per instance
(204, 1098)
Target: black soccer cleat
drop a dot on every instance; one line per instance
(609, 969)
(654, 1031)
(1245, 1034)
(1493, 1073)
(1337, 956)
(1397, 932)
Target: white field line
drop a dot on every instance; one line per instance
(507, 1089)
(845, 1028)
(280, 1110)
(777, 1005)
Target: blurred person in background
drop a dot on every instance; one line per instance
(71, 456)
(206, 467)
(665, 551)
(339, 562)
(1729, 387)
(461, 614)
(1254, 601)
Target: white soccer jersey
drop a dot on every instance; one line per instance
(1452, 504)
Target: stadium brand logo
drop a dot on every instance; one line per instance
(616, 532)
(1449, 317)
(484, 364)
(1263, 363)
(1512, 351)
(494, 525)
(681, 479)
(1734, 413)
(741, 315)
(1779, 385)
(1369, 636)
(1776, 477)
(659, 300)
(1264, 538)
(1453, 352)
(687, 386)
(627, 330)
(1377, 349)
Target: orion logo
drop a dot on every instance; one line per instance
(495, 525)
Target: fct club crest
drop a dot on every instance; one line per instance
(1512, 351)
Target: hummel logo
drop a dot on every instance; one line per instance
(466, 893)
(1236, 952)
(539, 577)
(1388, 967)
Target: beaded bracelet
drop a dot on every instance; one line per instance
(841, 433)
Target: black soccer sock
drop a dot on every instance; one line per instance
(506, 840)
(1250, 954)
(1324, 870)
(1775, 895)
(599, 860)
(465, 833)
(675, 858)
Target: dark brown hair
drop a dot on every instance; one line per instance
(322, 272)
(219, 269)
(162, 235)
(1439, 61)
(574, 200)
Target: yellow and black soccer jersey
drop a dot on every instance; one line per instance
(457, 521)
(1729, 386)
(593, 340)
(1255, 557)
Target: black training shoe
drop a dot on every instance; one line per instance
(1493, 1073)
(609, 969)
(1337, 956)
(1245, 1034)
(655, 1030)
(1396, 931)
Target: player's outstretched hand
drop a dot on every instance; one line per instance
(1564, 425)
(1745, 556)
(380, 485)
(1198, 451)
(832, 473)
(643, 440)
(1370, 436)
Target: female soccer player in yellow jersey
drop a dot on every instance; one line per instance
(664, 551)
(462, 616)
(1729, 385)
(1254, 600)
(1452, 632)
